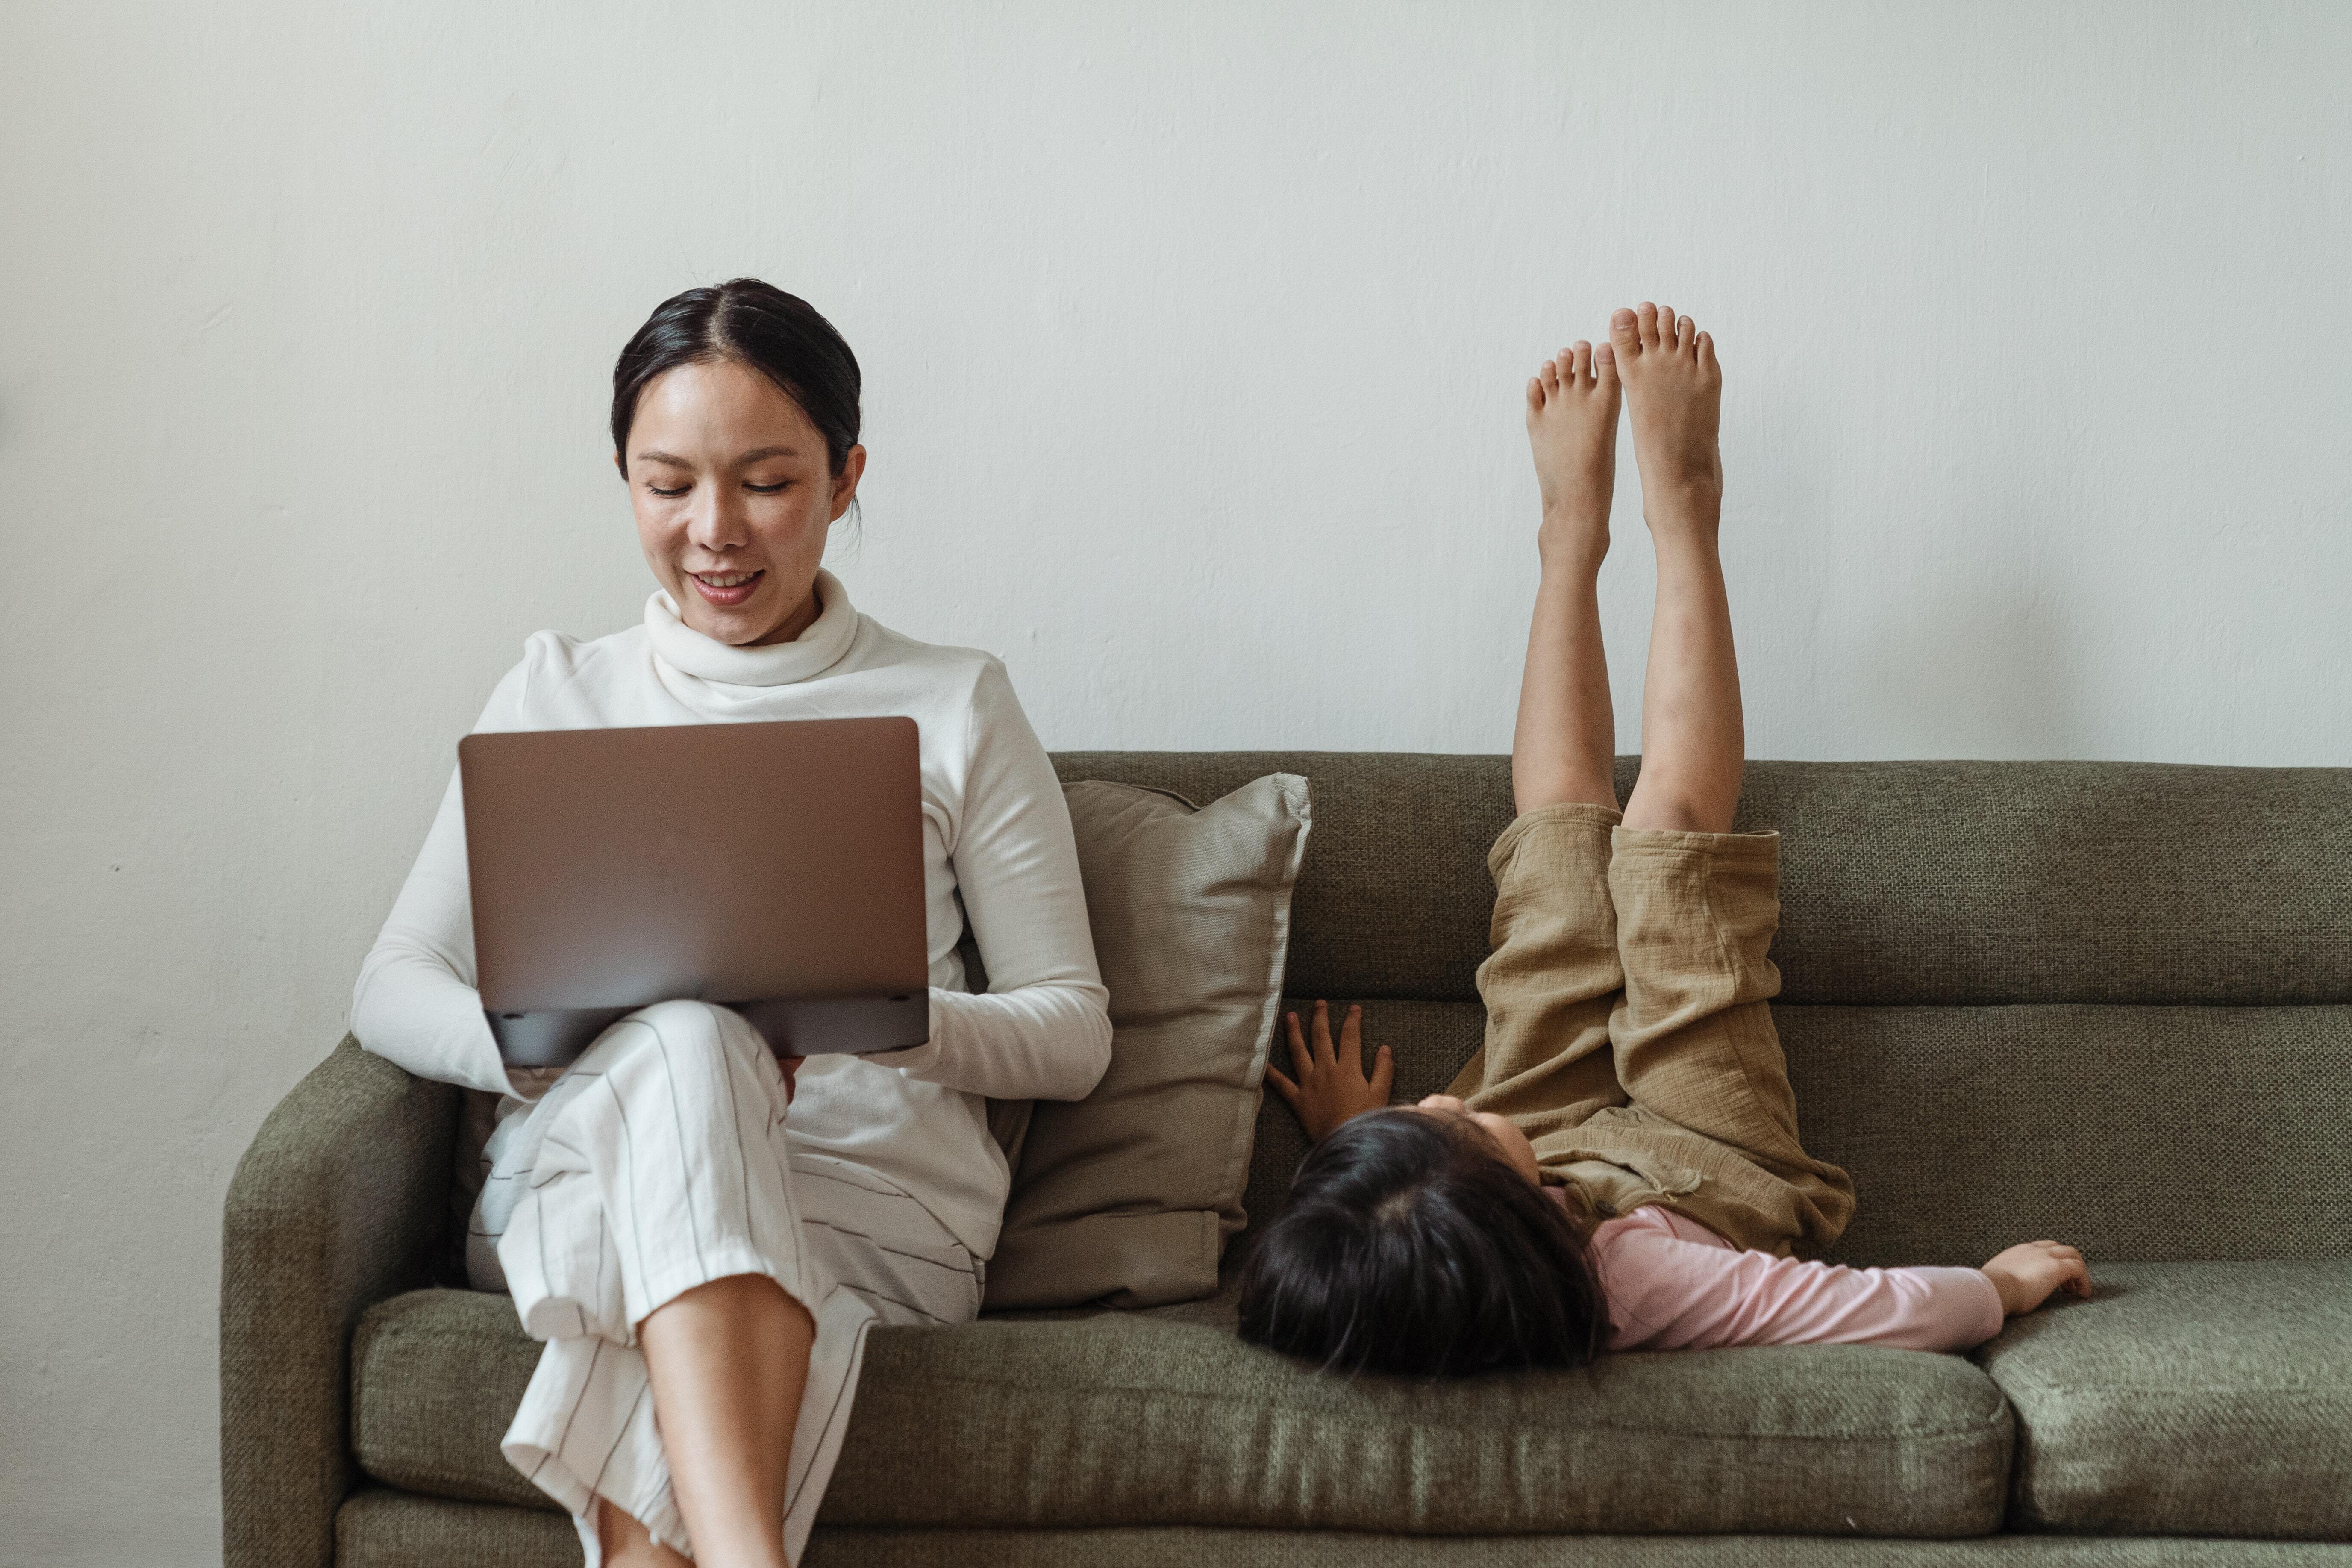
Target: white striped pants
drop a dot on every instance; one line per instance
(656, 1163)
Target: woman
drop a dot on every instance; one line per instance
(687, 1248)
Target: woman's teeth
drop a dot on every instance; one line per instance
(724, 578)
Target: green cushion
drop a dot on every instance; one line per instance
(2155, 1133)
(2203, 1398)
(1900, 882)
(1163, 1417)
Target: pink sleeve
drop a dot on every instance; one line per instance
(1673, 1284)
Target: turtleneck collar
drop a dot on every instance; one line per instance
(813, 652)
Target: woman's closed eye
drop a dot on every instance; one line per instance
(672, 493)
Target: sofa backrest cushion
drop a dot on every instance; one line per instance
(1962, 883)
(2108, 1000)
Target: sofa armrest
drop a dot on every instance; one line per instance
(337, 1204)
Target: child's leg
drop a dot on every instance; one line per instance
(1565, 746)
(1696, 905)
(1694, 746)
(1553, 975)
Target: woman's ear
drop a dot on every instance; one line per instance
(845, 483)
(622, 464)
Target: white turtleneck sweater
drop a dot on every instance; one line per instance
(996, 837)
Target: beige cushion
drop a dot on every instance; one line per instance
(1128, 1196)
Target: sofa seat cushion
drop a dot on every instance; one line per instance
(2197, 1398)
(1164, 1417)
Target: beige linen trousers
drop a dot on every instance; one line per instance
(1628, 1029)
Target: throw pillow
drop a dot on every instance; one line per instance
(1129, 1195)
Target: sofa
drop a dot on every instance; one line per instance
(2109, 1003)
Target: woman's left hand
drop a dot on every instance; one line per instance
(1332, 1086)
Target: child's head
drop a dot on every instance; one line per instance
(1409, 1242)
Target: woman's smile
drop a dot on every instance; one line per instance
(725, 589)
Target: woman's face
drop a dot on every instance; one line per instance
(733, 500)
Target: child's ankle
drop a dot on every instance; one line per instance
(1572, 540)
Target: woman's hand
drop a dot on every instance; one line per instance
(1332, 1086)
(2027, 1273)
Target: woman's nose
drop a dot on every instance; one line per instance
(719, 522)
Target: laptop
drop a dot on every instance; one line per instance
(776, 869)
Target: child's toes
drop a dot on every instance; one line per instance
(1647, 316)
(1604, 365)
(1534, 395)
(1550, 376)
(1706, 354)
(1580, 359)
(1625, 334)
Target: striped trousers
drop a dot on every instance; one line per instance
(658, 1163)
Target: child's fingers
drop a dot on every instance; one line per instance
(1283, 1087)
(1302, 1060)
(1324, 1054)
(1351, 1042)
(1383, 1073)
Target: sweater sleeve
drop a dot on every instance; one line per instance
(1673, 1285)
(415, 1002)
(1043, 1030)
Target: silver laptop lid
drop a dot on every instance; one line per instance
(777, 868)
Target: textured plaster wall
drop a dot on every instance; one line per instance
(1194, 337)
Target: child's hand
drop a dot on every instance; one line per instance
(2027, 1273)
(1332, 1086)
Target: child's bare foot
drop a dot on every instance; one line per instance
(1675, 390)
(1572, 428)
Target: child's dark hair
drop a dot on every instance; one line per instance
(1408, 1244)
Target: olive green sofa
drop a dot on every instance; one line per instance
(2105, 1002)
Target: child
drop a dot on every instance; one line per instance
(1618, 1166)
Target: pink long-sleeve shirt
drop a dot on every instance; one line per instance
(1673, 1284)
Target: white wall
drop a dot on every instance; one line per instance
(1194, 338)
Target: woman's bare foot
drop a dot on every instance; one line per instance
(1572, 429)
(1674, 391)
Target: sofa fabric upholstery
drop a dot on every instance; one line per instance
(380, 1528)
(2107, 1002)
(1130, 1419)
(2198, 1398)
(338, 1202)
(2171, 1134)
(1900, 882)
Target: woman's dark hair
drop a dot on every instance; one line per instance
(778, 334)
(1408, 1244)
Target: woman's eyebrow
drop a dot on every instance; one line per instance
(663, 458)
(754, 456)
